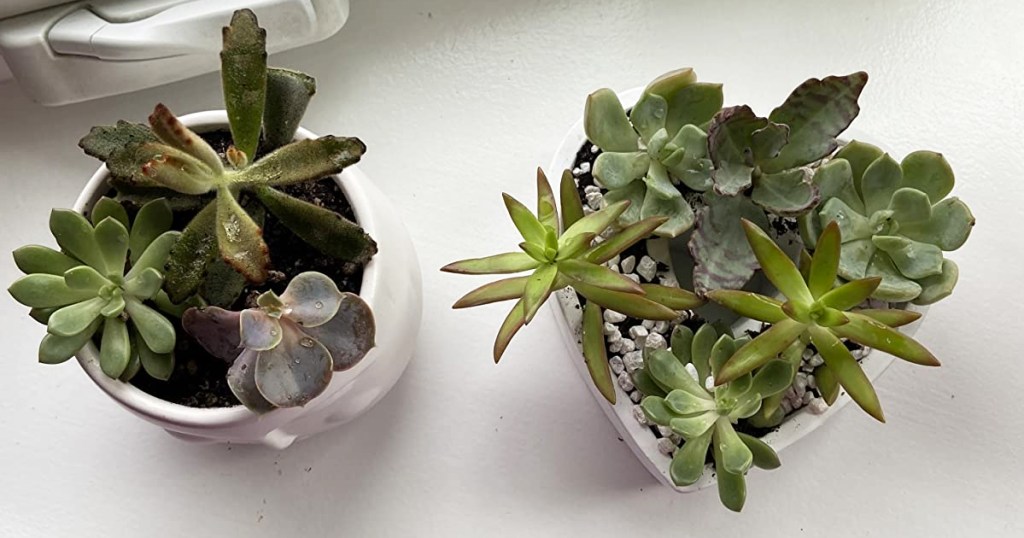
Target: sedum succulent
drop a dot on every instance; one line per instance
(761, 168)
(284, 352)
(659, 145)
(168, 159)
(819, 312)
(569, 259)
(99, 283)
(676, 382)
(895, 218)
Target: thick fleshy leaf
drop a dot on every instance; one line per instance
(633, 195)
(312, 299)
(847, 371)
(501, 290)
(616, 170)
(688, 463)
(152, 221)
(681, 216)
(514, 321)
(530, 228)
(852, 225)
(623, 239)
(895, 288)
(190, 255)
(692, 104)
(881, 180)
(773, 378)
(681, 345)
(789, 193)
(835, 180)
(85, 278)
(868, 332)
(108, 142)
(115, 347)
(288, 95)
(321, 228)
(693, 426)
(938, 287)
(729, 147)
(595, 354)
(259, 331)
(928, 172)
(112, 239)
(672, 297)
(596, 222)
(350, 334)
(630, 304)
(569, 197)
(172, 132)
(75, 236)
(910, 205)
(646, 384)
(766, 142)
(914, 259)
(511, 262)
(243, 61)
(75, 318)
(732, 487)
(825, 263)
(240, 239)
(684, 403)
(242, 382)
(649, 114)
(736, 457)
(295, 371)
(764, 455)
(891, 316)
(851, 293)
(816, 112)
(606, 124)
(668, 372)
(547, 211)
(777, 266)
(173, 169)
(155, 257)
(42, 290)
(723, 349)
(157, 365)
(767, 346)
(656, 411)
(538, 289)
(597, 275)
(718, 245)
(828, 385)
(860, 155)
(301, 161)
(948, 228)
(216, 329)
(107, 207)
(155, 329)
(57, 349)
(39, 259)
(749, 304)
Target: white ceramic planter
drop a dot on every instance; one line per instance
(640, 438)
(391, 286)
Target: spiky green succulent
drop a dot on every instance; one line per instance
(100, 283)
(569, 259)
(167, 158)
(817, 311)
(283, 352)
(676, 383)
(895, 218)
(762, 168)
(659, 145)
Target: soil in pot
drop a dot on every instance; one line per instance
(199, 379)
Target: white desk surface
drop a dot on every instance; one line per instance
(460, 100)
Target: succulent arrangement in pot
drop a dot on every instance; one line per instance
(810, 259)
(219, 261)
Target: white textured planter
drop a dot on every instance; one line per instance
(640, 438)
(391, 286)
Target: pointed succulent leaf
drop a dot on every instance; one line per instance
(115, 347)
(789, 193)
(57, 349)
(881, 180)
(573, 248)
(948, 228)
(828, 385)
(736, 457)
(913, 259)
(910, 205)
(851, 293)
(700, 350)
(241, 379)
(825, 263)
(928, 172)
(39, 259)
(501, 290)
(514, 321)
(672, 297)
(718, 245)
(511, 262)
(155, 329)
(319, 227)
(891, 316)
(244, 77)
(569, 197)
(259, 331)
(216, 329)
(693, 426)
(684, 403)
(773, 378)
(107, 207)
(171, 168)
(538, 289)
(688, 462)
(75, 236)
(597, 275)
(311, 298)
(860, 155)
(605, 122)
(530, 228)
(75, 318)
(749, 304)
(938, 287)
(847, 371)
(777, 266)
(764, 455)
(172, 132)
(668, 372)
(595, 354)
(630, 304)
(188, 258)
(40, 290)
(350, 334)
(623, 239)
(85, 278)
(596, 222)
(112, 238)
(288, 95)
(152, 220)
(871, 333)
(240, 239)
(301, 161)
(817, 112)
(155, 256)
(547, 211)
(760, 350)
(722, 351)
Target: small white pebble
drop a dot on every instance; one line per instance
(576, 172)
(613, 337)
(661, 327)
(615, 347)
(594, 148)
(640, 416)
(616, 365)
(595, 200)
(666, 446)
(785, 405)
(626, 382)
(668, 279)
(709, 384)
(811, 382)
(628, 264)
(628, 345)
(590, 189)
(636, 396)
(612, 316)
(675, 438)
(614, 267)
(632, 276)
(587, 211)
(692, 370)
(665, 431)
(647, 268)
(638, 333)
(615, 260)
(585, 167)
(610, 328)
(818, 406)
(808, 396)
(790, 393)
(655, 341)
(633, 361)
(648, 324)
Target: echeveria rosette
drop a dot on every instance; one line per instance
(99, 282)
(659, 145)
(762, 167)
(570, 259)
(818, 311)
(167, 158)
(284, 352)
(896, 220)
(675, 384)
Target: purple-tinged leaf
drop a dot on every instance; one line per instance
(630, 304)
(672, 297)
(501, 290)
(510, 262)
(216, 329)
(513, 322)
(350, 334)
(624, 239)
(868, 332)
(242, 382)
(598, 276)
(890, 316)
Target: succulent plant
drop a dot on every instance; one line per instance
(569, 259)
(283, 353)
(819, 312)
(659, 145)
(168, 159)
(761, 167)
(895, 218)
(680, 399)
(99, 282)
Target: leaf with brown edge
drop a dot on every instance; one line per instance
(171, 131)
(547, 212)
(595, 222)
(572, 206)
(828, 385)
(538, 289)
(597, 275)
(754, 354)
(749, 304)
(629, 304)
(240, 239)
(327, 231)
(595, 354)
(513, 322)
(868, 332)
(190, 255)
(301, 161)
(509, 262)
(501, 290)
(672, 297)
(288, 95)
(851, 293)
(243, 61)
(825, 263)
(624, 239)
(847, 371)
(891, 316)
(776, 265)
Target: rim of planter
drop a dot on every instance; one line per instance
(638, 437)
(143, 403)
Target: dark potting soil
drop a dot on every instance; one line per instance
(199, 379)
